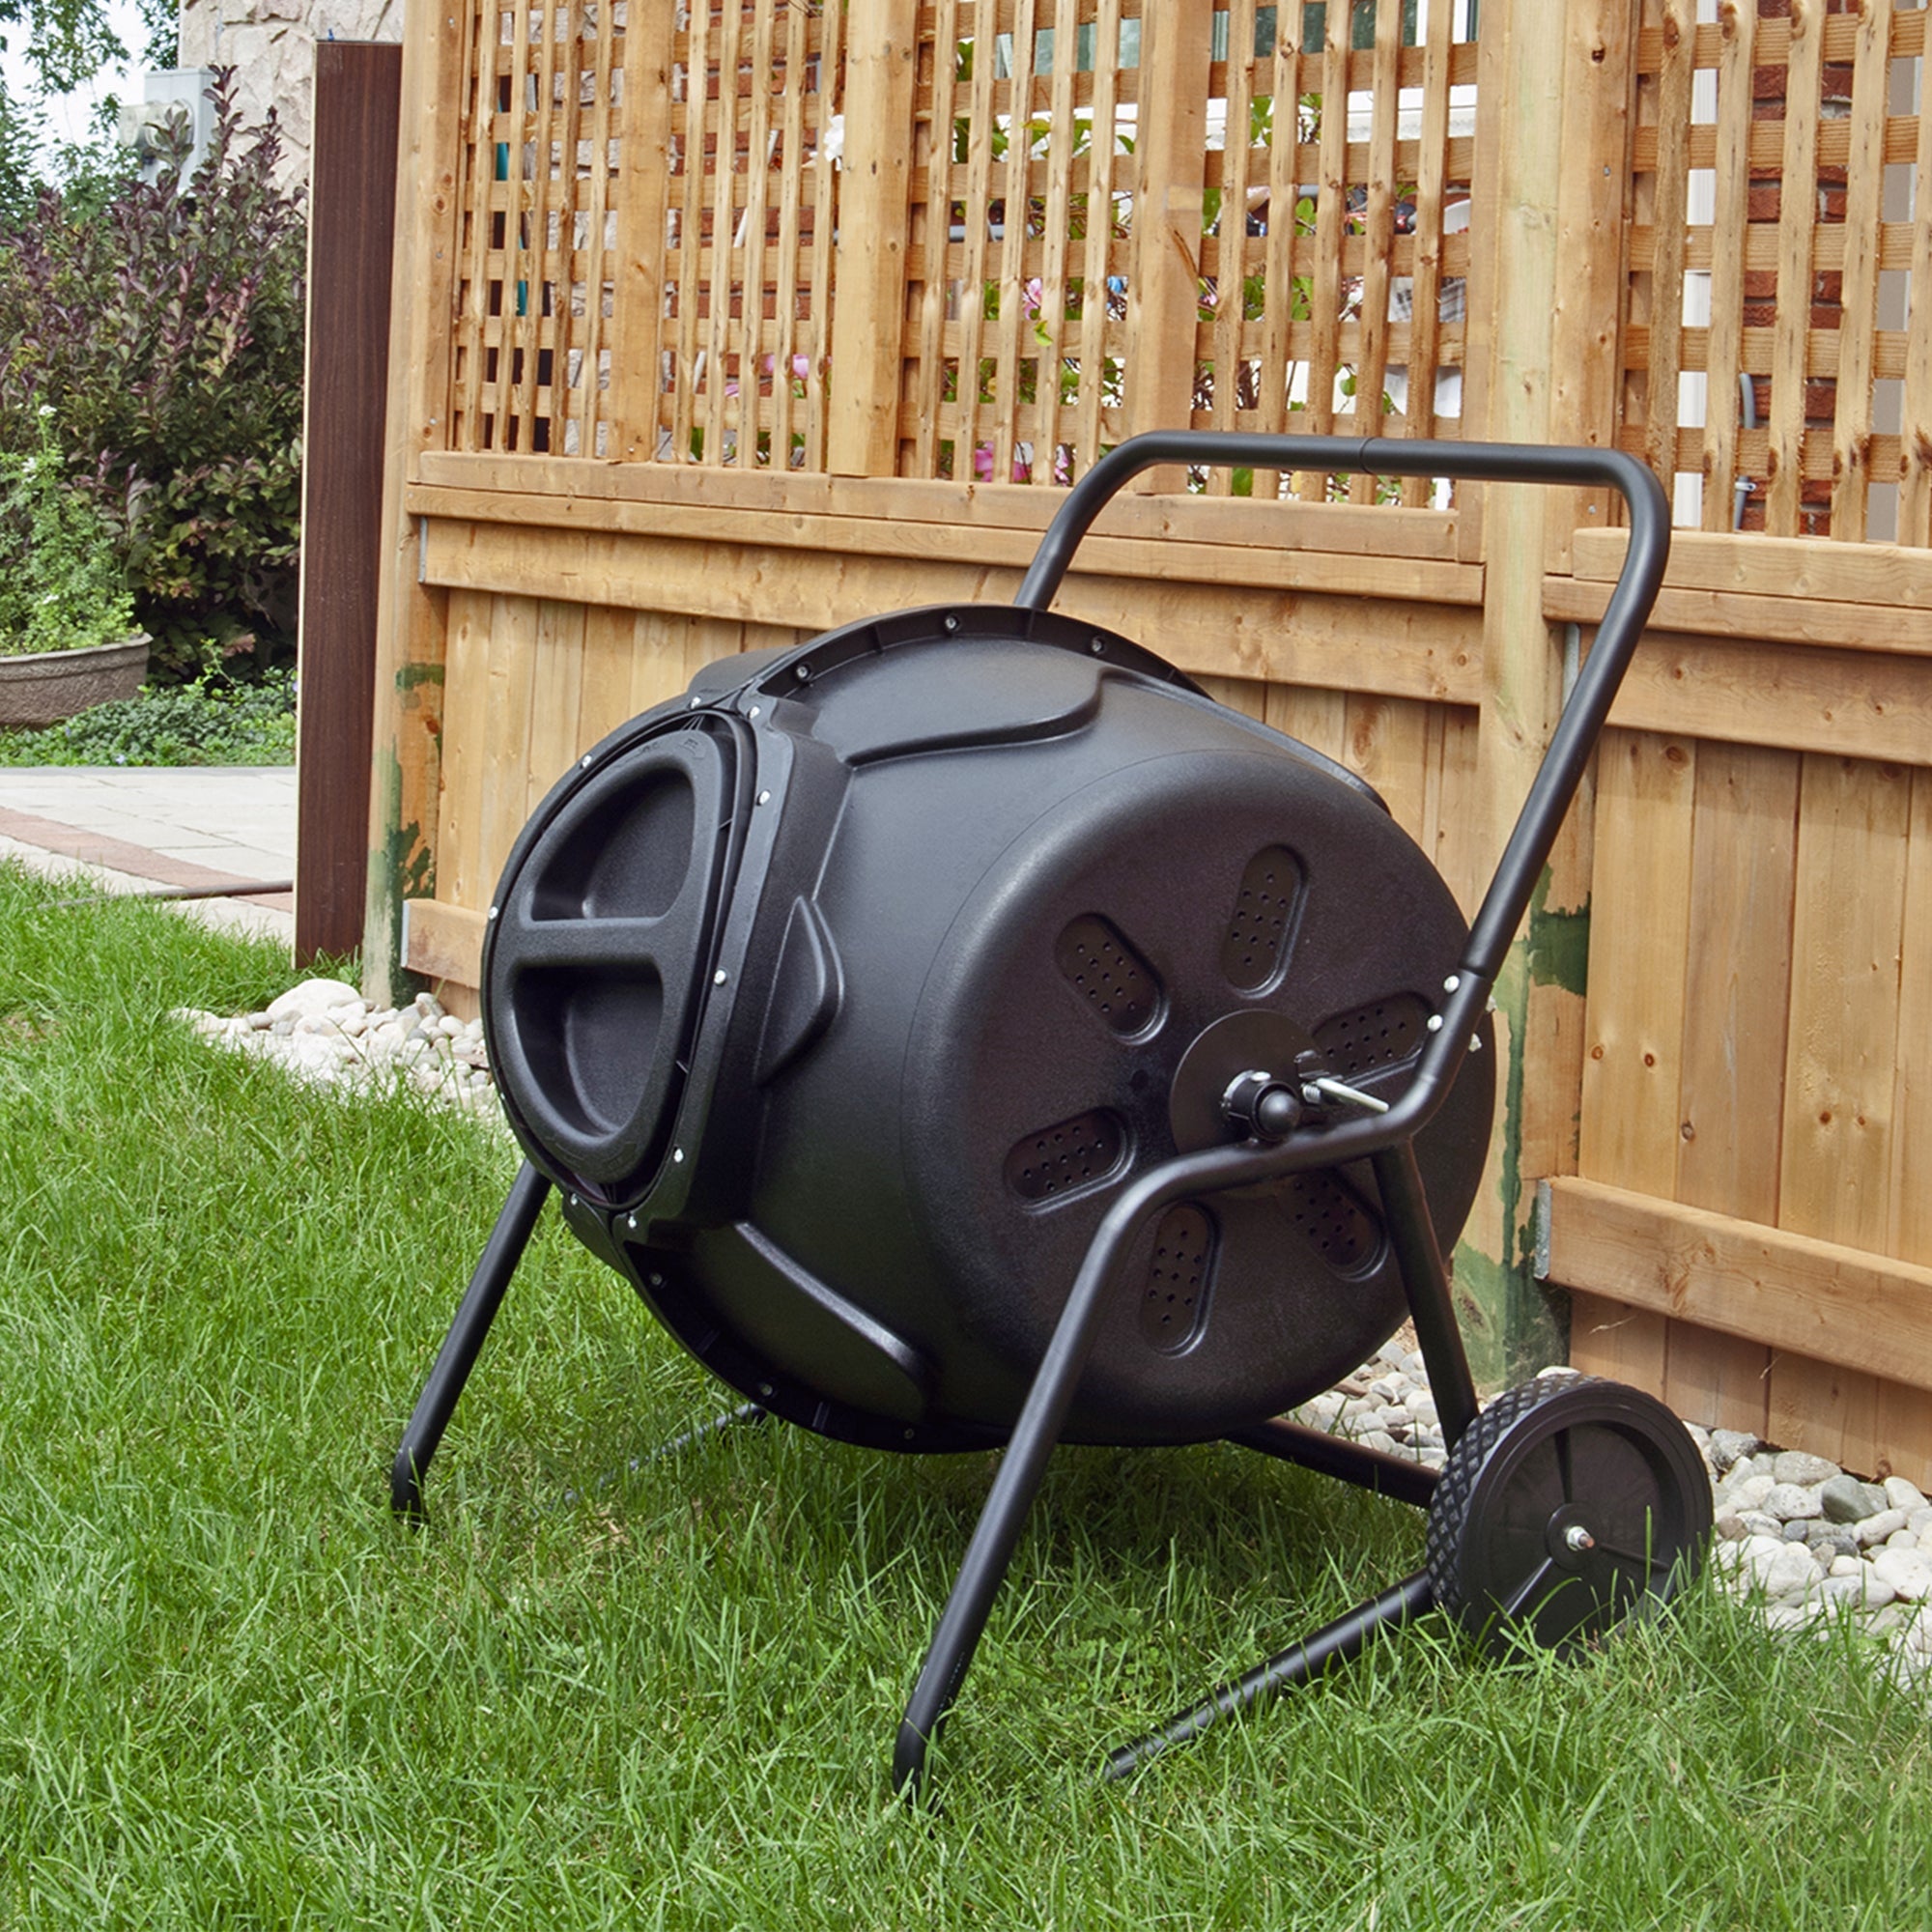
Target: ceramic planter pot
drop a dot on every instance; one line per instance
(45, 687)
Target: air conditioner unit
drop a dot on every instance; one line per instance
(175, 96)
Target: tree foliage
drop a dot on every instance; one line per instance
(164, 330)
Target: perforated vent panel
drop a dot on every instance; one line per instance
(1260, 929)
(1384, 1033)
(1332, 1220)
(1066, 1156)
(1174, 1310)
(1115, 982)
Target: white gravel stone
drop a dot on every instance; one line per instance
(313, 996)
(1904, 1495)
(1749, 1495)
(1909, 1572)
(1876, 1529)
(1799, 1466)
(1789, 1502)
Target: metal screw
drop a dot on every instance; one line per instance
(696, 702)
(677, 1156)
(1434, 1022)
(1098, 647)
(755, 711)
(764, 798)
(1578, 1539)
(950, 624)
(1454, 980)
(573, 1201)
(657, 1281)
(804, 673)
(631, 1224)
(718, 978)
(492, 911)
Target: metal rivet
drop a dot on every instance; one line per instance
(718, 977)
(755, 711)
(950, 623)
(1099, 646)
(657, 1281)
(696, 702)
(492, 911)
(765, 1388)
(573, 1201)
(632, 1223)
(1450, 985)
(583, 763)
(677, 1156)
(764, 798)
(804, 673)
(1434, 1022)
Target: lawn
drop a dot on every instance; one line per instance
(240, 1695)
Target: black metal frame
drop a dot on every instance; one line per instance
(1385, 1140)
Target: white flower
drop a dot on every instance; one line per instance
(46, 408)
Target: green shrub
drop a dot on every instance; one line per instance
(206, 722)
(164, 328)
(60, 586)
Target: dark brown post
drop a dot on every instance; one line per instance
(352, 233)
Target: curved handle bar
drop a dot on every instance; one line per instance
(1577, 731)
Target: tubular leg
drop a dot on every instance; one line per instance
(1427, 1283)
(459, 1347)
(1018, 1480)
(1333, 1643)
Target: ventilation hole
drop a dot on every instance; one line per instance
(1063, 1158)
(1260, 929)
(1175, 1307)
(1109, 975)
(1334, 1222)
(1386, 1034)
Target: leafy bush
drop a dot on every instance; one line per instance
(60, 587)
(206, 722)
(164, 328)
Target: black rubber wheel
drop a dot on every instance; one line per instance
(1568, 1505)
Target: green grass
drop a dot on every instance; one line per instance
(236, 1694)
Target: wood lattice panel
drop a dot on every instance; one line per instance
(1034, 309)
(1342, 221)
(1779, 311)
(1344, 225)
(647, 209)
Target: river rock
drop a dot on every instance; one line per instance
(1802, 1467)
(1909, 1572)
(1792, 1502)
(312, 995)
(1846, 1499)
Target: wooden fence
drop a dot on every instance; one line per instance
(719, 324)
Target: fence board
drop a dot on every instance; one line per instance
(1639, 937)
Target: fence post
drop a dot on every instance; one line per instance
(874, 216)
(1546, 282)
(1164, 267)
(351, 240)
(404, 774)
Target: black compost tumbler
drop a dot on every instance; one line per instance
(962, 1030)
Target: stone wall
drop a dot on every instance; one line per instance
(269, 44)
